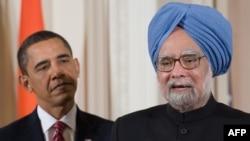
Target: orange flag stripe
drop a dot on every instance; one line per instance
(31, 20)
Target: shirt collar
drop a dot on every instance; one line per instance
(47, 120)
(190, 116)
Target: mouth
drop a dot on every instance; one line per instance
(180, 88)
(60, 86)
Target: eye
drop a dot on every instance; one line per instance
(166, 62)
(190, 59)
(64, 60)
(42, 68)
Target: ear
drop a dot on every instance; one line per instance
(24, 81)
(77, 66)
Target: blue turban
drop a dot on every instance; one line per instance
(207, 27)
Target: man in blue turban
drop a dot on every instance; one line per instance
(189, 45)
(208, 28)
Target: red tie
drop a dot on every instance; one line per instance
(59, 127)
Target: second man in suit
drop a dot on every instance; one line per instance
(49, 70)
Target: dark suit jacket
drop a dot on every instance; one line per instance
(88, 126)
(163, 123)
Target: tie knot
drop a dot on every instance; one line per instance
(59, 126)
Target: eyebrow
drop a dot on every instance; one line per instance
(63, 55)
(190, 52)
(46, 61)
(40, 63)
(165, 55)
(186, 52)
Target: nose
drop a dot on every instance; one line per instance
(56, 71)
(178, 70)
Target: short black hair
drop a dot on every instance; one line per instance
(33, 39)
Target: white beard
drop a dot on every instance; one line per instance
(187, 101)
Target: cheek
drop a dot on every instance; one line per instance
(163, 78)
(72, 72)
(39, 81)
(199, 81)
(75, 73)
(37, 85)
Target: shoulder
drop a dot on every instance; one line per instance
(232, 113)
(152, 113)
(98, 127)
(19, 126)
(94, 121)
(138, 123)
(20, 123)
(91, 118)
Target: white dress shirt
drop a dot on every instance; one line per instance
(47, 122)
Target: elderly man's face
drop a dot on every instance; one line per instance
(184, 89)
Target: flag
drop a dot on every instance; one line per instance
(31, 20)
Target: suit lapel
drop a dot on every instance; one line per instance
(33, 130)
(85, 128)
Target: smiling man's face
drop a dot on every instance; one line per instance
(185, 89)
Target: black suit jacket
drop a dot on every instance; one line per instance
(29, 128)
(163, 123)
